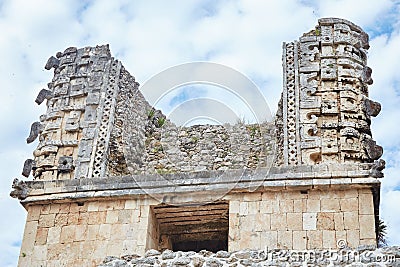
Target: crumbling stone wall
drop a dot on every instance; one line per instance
(107, 161)
(267, 257)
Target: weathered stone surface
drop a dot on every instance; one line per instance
(36, 128)
(28, 164)
(107, 160)
(388, 256)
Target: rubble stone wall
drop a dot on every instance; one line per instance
(389, 256)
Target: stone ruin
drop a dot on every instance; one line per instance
(113, 176)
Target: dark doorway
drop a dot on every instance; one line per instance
(193, 228)
(210, 245)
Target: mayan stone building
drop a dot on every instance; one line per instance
(113, 176)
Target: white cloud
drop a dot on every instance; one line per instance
(149, 36)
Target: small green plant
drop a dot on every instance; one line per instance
(160, 122)
(330, 65)
(195, 139)
(23, 254)
(158, 148)
(317, 32)
(150, 113)
(381, 233)
(253, 131)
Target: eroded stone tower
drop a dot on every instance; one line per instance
(113, 176)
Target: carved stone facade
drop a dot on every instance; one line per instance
(326, 112)
(113, 176)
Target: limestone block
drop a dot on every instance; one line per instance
(136, 216)
(81, 232)
(366, 204)
(96, 217)
(268, 196)
(233, 220)
(339, 220)
(269, 239)
(368, 242)
(128, 246)
(47, 220)
(262, 222)
(243, 208)
(124, 216)
(100, 250)
(313, 205)
(112, 216)
(92, 232)
(93, 206)
(286, 205)
(67, 234)
(55, 251)
(45, 209)
(55, 208)
(367, 226)
(269, 206)
(141, 238)
(325, 221)
(340, 235)
(53, 236)
(33, 213)
(278, 221)
(309, 221)
(300, 240)
(247, 222)
(234, 206)
(144, 211)
(249, 239)
(104, 232)
(73, 218)
(64, 208)
(41, 236)
(299, 205)
(314, 239)
(349, 204)
(61, 219)
(39, 253)
(252, 197)
(330, 205)
(353, 238)
(329, 239)
(351, 220)
(83, 218)
(114, 248)
(253, 207)
(285, 239)
(294, 221)
(131, 204)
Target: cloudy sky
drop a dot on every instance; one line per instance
(150, 36)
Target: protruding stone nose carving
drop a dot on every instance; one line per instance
(52, 62)
(43, 94)
(36, 128)
(28, 164)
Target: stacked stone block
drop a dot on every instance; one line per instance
(107, 161)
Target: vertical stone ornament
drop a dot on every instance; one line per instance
(325, 111)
